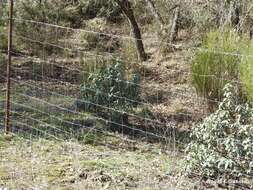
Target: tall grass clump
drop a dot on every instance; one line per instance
(216, 63)
(246, 70)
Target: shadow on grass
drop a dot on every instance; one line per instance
(49, 122)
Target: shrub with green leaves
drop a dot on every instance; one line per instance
(222, 145)
(66, 13)
(54, 12)
(215, 63)
(110, 94)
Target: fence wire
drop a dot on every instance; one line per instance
(47, 77)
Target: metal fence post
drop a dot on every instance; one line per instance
(8, 70)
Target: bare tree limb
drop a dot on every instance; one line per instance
(156, 13)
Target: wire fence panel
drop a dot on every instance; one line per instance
(86, 99)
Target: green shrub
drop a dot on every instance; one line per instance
(50, 11)
(108, 93)
(35, 38)
(65, 13)
(215, 63)
(246, 70)
(3, 27)
(3, 46)
(222, 145)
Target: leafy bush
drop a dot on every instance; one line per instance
(109, 94)
(65, 13)
(215, 63)
(223, 143)
(71, 13)
(35, 37)
(51, 11)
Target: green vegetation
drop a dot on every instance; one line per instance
(223, 57)
(107, 92)
(104, 92)
(64, 13)
(222, 144)
(246, 70)
(215, 64)
(3, 31)
(96, 41)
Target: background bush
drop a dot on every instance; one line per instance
(66, 13)
(3, 37)
(222, 144)
(3, 26)
(100, 8)
(55, 12)
(98, 41)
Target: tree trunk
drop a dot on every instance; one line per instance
(125, 6)
(156, 14)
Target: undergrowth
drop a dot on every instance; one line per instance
(221, 146)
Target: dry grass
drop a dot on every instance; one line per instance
(46, 164)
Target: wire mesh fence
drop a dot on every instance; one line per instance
(66, 88)
(48, 76)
